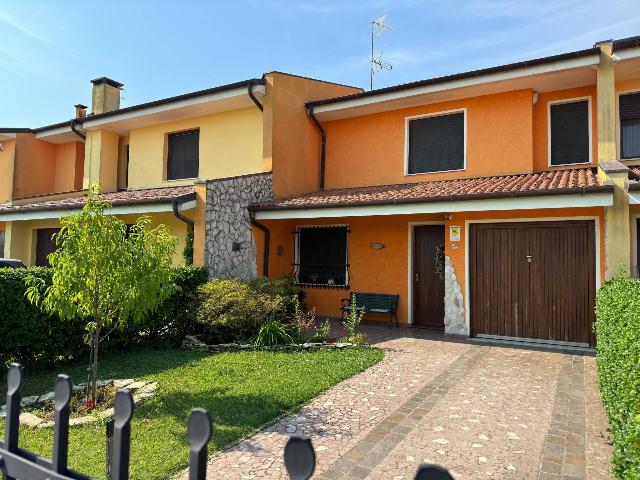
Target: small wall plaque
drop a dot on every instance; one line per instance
(454, 233)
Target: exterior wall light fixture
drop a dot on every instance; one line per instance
(377, 245)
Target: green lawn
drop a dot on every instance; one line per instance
(240, 390)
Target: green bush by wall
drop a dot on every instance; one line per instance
(230, 310)
(28, 335)
(37, 339)
(618, 358)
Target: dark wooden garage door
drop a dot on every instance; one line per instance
(533, 280)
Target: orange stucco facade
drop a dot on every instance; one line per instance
(506, 133)
(387, 270)
(291, 148)
(42, 168)
(370, 150)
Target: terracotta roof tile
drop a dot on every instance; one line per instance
(634, 173)
(132, 197)
(557, 181)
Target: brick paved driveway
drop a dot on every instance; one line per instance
(483, 412)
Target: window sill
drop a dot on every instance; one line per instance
(321, 285)
(407, 174)
(551, 165)
(173, 180)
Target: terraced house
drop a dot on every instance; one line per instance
(493, 202)
(192, 162)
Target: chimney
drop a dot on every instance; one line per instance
(106, 95)
(81, 110)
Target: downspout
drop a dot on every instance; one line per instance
(176, 209)
(252, 215)
(323, 147)
(267, 240)
(76, 131)
(252, 96)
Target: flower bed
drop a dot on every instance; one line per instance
(37, 411)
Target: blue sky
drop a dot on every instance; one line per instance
(50, 50)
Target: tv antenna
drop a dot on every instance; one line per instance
(378, 28)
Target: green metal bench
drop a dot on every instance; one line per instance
(372, 303)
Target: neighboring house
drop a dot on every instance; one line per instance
(494, 202)
(192, 162)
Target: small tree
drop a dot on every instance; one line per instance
(105, 273)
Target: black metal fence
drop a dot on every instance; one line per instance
(20, 464)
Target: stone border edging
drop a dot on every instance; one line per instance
(192, 342)
(142, 389)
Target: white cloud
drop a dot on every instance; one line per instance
(10, 20)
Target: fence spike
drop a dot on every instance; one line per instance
(199, 430)
(63, 389)
(123, 406)
(14, 383)
(299, 458)
(432, 472)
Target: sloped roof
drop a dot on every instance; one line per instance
(556, 182)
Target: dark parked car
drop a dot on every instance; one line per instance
(11, 263)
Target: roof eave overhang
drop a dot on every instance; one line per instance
(633, 190)
(186, 202)
(60, 134)
(601, 196)
(216, 100)
(350, 105)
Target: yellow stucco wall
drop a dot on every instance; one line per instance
(20, 236)
(69, 166)
(230, 144)
(101, 160)
(34, 168)
(199, 224)
(41, 167)
(6, 169)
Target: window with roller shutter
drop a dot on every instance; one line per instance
(183, 155)
(436, 143)
(569, 133)
(629, 109)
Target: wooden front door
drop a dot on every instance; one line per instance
(533, 280)
(428, 287)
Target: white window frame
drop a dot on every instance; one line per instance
(429, 115)
(297, 257)
(619, 126)
(167, 137)
(590, 118)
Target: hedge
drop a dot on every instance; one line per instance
(617, 330)
(28, 335)
(36, 339)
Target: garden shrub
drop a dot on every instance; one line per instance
(617, 330)
(28, 335)
(283, 287)
(174, 318)
(233, 310)
(322, 332)
(37, 339)
(273, 332)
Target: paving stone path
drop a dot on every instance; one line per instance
(483, 412)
